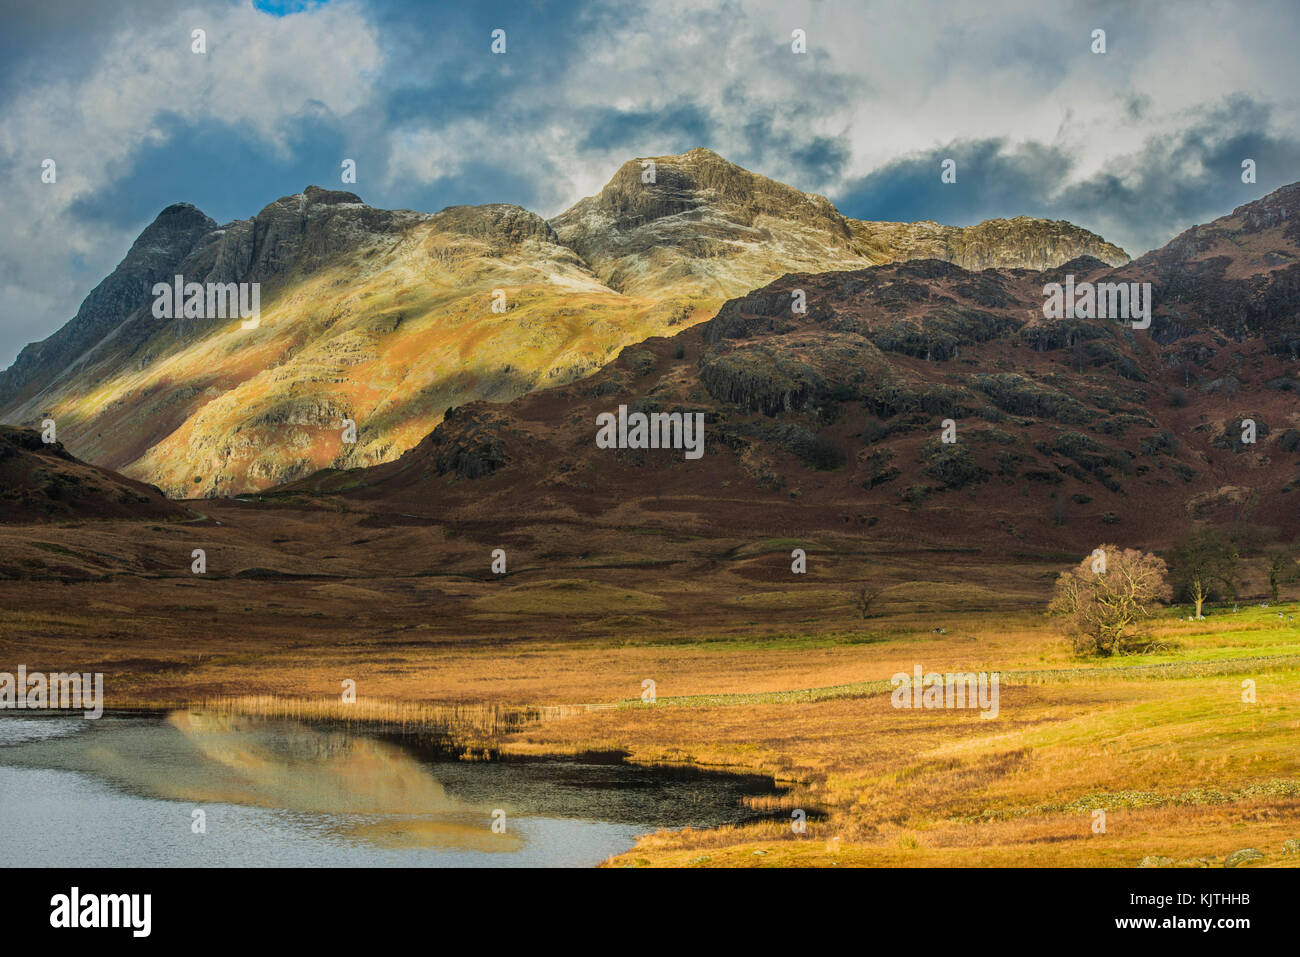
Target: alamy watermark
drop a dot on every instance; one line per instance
(1103, 300)
(656, 430)
(36, 690)
(215, 300)
(960, 690)
(75, 909)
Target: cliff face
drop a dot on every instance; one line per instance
(153, 257)
(389, 317)
(1019, 243)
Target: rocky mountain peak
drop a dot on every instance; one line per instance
(696, 220)
(495, 221)
(179, 225)
(689, 183)
(316, 196)
(312, 201)
(180, 212)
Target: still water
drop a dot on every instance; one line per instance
(124, 791)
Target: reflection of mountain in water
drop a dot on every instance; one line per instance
(382, 794)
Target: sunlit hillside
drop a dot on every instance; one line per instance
(389, 318)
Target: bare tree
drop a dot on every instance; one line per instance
(1106, 598)
(867, 596)
(1203, 564)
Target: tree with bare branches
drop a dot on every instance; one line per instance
(1282, 569)
(866, 597)
(1106, 598)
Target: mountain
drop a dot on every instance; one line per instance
(386, 317)
(1019, 243)
(1238, 276)
(1067, 431)
(706, 225)
(41, 482)
(155, 254)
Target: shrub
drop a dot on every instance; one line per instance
(915, 494)
(878, 468)
(951, 463)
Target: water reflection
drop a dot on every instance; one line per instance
(281, 792)
(200, 759)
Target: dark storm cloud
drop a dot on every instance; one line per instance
(1151, 194)
(678, 128)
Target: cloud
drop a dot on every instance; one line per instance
(1136, 144)
(261, 78)
(1139, 201)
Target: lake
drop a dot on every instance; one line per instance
(188, 789)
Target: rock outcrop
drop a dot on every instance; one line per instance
(1019, 243)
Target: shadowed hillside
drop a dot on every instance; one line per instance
(41, 482)
(833, 417)
(388, 318)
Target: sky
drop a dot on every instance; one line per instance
(1136, 143)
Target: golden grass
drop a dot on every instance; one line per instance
(1163, 743)
(481, 722)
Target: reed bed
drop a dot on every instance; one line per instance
(463, 721)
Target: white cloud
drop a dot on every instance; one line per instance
(881, 81)
(260, 72)
(890, 79)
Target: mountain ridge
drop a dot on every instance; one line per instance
(835, 416)
(385, 317)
